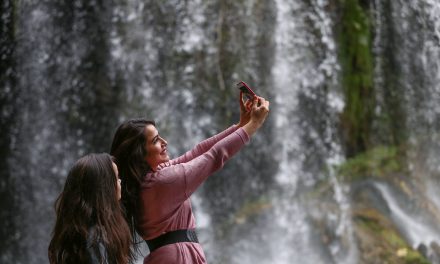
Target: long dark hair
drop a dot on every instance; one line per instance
(89, 215)
(129, 149)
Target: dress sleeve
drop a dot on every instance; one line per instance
(179, 181)
(203, 146)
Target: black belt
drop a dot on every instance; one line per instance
(183, 235)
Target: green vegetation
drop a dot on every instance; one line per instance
(377, 162)
(380, 242)
(369, 153)
(356, 59)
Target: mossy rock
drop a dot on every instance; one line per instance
(377, 162)
(380, 242)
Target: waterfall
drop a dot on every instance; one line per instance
(302, 76)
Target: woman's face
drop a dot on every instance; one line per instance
(156, 147)
(118, 181)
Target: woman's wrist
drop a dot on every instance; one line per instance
(251, 127)
(241, 123)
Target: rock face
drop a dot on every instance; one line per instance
(378, 237)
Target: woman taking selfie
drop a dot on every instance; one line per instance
(156, 189)
(90, 226)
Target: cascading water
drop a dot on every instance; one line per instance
(305, 81)
(75, 69)
(411, 31)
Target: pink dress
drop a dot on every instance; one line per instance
(164, 195)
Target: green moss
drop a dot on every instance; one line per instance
(377, 162)
(356, 59)
(414, 257)
(380, 242)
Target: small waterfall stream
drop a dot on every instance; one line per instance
(415, 227)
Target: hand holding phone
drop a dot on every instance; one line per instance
(247, 91)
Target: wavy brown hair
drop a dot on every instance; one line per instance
(129, 150)
(89, 216)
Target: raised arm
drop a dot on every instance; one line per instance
(205, 145)
(199, 169)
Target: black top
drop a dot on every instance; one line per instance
(94, 257)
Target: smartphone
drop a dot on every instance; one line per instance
(246, 90)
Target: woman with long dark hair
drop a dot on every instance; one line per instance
(156, 189)
(90, 226)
